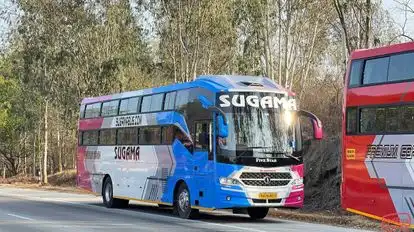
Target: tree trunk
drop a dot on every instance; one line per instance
(25, 155)
(339, 11)
(45, 147)
(40, 171)
(34, 155)
(4, 171)
(59, 151)
(368, 24)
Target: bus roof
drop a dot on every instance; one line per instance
(381, 51)
(215, 83)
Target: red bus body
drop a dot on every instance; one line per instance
(378, 134)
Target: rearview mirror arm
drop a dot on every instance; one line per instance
(220, 111)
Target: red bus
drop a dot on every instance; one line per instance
(378, 134)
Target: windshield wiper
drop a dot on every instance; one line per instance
(282, 153)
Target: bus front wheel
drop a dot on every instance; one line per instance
(257, 213)
(108, 196)
(182, 203)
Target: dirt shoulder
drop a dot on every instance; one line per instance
(336, 218)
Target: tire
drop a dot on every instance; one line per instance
(182, 203)
(108, 197)
(257, 213)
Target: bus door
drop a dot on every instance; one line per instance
(203, 167)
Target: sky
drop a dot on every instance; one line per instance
(396, 11)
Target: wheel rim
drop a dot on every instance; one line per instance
(184, 200)
(108, 192)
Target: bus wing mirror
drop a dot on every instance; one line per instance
(205, 103)
(221, 119)
(316, 124)
(223, 130)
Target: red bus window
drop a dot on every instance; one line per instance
(351, 120)
(376, 71)
(401, 67)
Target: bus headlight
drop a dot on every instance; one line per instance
(229, 181)
(288, 117)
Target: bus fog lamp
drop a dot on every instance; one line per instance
(228, 198)
(297, 181)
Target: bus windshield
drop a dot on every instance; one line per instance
(259, 136)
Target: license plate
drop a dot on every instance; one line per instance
(267, 195)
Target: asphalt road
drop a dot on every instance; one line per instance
(37, 210)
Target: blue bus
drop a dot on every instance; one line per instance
(218, 142)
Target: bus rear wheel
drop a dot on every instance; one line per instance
(257, 213)
(182, 203)
(108, 196)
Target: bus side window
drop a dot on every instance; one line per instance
(179, 135)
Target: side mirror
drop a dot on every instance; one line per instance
(223, 130)
(316, 124)
(221, 118)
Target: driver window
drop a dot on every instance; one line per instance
(202, 136)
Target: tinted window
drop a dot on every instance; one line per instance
(380, 119)
(110, 108)
(128, 136)
(150, 135)
(182, 99)
(129, 106)
(93, 110)
(376, 70)
(367, 120)
(80, 138)
(90, 138)
(169, 101)
(152, 103)
(392, 122)
(183, 139)
(351, 120)
(356, 73)
(202, 136)
(146, 104)
(107, 137)
(390, 119)
(401, 67)
(156, 102)
(407, 123)
(167, 135)
(82, 111)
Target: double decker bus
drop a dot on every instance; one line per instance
(218, 142)
(378, 134)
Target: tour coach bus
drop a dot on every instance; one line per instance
(217, 142)
(378, 134)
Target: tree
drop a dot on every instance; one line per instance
(407, 8)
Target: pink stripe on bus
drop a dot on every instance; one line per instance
(96, 99)
(90, 124)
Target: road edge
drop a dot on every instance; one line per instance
(343, 219)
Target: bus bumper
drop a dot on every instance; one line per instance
(239, 197)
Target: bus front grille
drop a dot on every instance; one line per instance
(263, 183)
(266, 178)
(261, 175)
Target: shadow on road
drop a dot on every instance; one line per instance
(213, 217)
